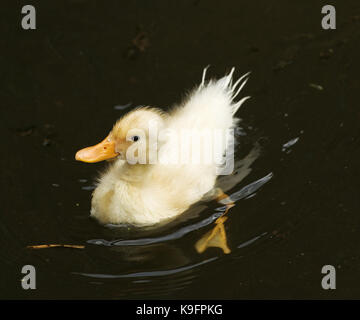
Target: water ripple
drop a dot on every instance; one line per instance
(242, 193)
(250, 188)
(158, 273)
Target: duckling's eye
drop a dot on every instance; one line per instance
(135, 138)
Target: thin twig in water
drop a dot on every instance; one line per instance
(45, 246)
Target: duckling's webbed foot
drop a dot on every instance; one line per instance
(217, 236)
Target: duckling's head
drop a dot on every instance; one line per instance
(129, 139)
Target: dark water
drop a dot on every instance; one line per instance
(64, 85)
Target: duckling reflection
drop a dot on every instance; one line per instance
(216, 237)
(154, 256)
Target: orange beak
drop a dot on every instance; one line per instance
(102, 151)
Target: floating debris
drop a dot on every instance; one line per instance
(316, 86)
(355, 18)
(27, 131)
(139, 44)
(290, 143)
(324, 55)
(55, 185)
(282, 64)
(88, 188)
(46, 132)
(122, 107)
(46, 142)
(82, 180)
(141, 41)
(46, 246)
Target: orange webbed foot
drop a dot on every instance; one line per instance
(216, 237)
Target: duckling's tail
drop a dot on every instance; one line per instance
(209, 110)
(226, 83)
(211, 105)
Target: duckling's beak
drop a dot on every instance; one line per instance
(103, 151)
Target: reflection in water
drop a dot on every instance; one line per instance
(123, 107)
(148, 270)
(247, 243)
(217, 236)
(147, 255)
(243, 193)
(250, 188)
(241, 170)
(88, 188)
(289, 144)
(147, 273)
(172, 236)
(214, 238)
(156, 248)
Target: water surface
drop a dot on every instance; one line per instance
(297, 207)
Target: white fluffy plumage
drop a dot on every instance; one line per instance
(146, 194)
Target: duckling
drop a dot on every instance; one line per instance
(142, 187)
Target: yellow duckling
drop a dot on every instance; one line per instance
(142, 187)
